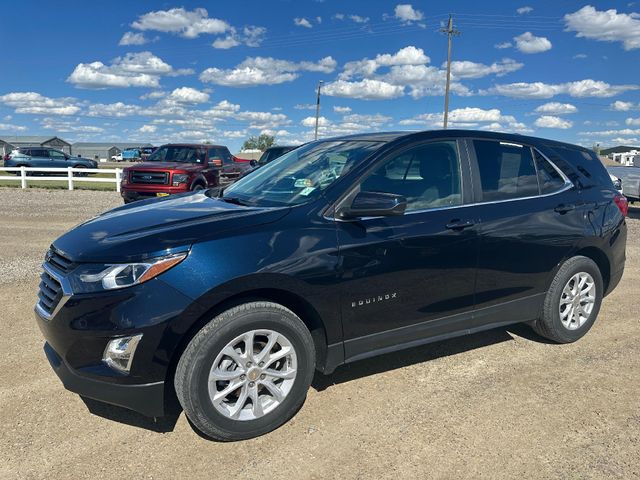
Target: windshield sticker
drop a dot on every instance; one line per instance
(303, 182)
(307, 191)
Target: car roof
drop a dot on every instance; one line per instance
(387, 137)
(195, 145)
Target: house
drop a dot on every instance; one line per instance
(12, 142)
(102, 150)
(627, 159)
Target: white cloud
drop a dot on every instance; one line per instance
(251, 36)
(470, 117)
(118, 109)
(524, 10)
(621, 106)
(366, 89)
(359, 19)
(131, 38)
(68, 126)
(142, 69)
(578, 89)
(405, 56)
(406, 13)
(264, 71)
(186, 23)
(311, 122)
(549, 121)
(225, 43)
(339, 16)
(605, 26)
(529, 43)
(632, 121)
(148, 129)
(467, 69)
(6, 127)
(556, 108)
(37, 104)
(305, 106)
(188, 95)
(503, 45)
(302, 22)
(339, 109)
(580, 56)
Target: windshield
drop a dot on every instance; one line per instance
(301, 174)
(178, 154)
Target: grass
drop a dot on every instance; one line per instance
(61, 184)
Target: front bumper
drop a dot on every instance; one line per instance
(147, 398)
(130, 195)
(77, 334)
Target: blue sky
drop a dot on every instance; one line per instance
(222, 71)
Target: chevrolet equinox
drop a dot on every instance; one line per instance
(342, 249)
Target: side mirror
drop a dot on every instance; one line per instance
(374, 204)
(253, 163)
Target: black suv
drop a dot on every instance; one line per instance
(343, 249)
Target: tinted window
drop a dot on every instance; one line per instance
(177, 154)
(221, 153)
(428, 176)
(56, 155)
(592, 171)
(39, 152)
(506, 170)
(549, 178)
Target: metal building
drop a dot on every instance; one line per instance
(102, 150)
(11, 142)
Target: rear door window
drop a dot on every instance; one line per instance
(506, 170)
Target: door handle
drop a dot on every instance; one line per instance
(459, 224)
(564, 208)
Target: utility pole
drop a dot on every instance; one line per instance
(450, 31)
(318, 108)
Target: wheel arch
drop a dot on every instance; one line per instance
(601, 260)
(294, 302)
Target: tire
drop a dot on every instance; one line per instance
(80, 174)
(196, 187)
(551, 325)
(243, 419)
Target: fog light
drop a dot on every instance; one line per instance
(119, 352)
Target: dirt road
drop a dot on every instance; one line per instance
(501, 404)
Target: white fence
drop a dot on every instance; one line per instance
(25, 178)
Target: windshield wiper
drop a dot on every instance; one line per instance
(235, 201)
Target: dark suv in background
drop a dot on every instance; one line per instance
(179, 168)
(46, 157)
(342, 249)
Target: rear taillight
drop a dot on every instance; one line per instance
(622, 203)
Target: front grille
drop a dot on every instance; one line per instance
(58, 261)
(149, 178)
(50, 292)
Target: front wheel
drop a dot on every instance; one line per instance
(246, 372)
(80, 174)
(572, 302)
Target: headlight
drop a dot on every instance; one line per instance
(179, 178)
(94, 278)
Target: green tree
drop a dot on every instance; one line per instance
(261, 142)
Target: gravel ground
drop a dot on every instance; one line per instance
(501, 404)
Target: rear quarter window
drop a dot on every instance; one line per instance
(588, 167)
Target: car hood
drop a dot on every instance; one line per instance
(159, 226)
(166, 166)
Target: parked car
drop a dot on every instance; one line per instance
(269, 155)
(46, 157)
(344, 249)
(131, 154)
(145, 152)
(630, 181)
(117, 157)
(179, 168)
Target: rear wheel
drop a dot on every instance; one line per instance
(197, 186)
(572, 302)
(246, 372)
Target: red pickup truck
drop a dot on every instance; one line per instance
(179, 168)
